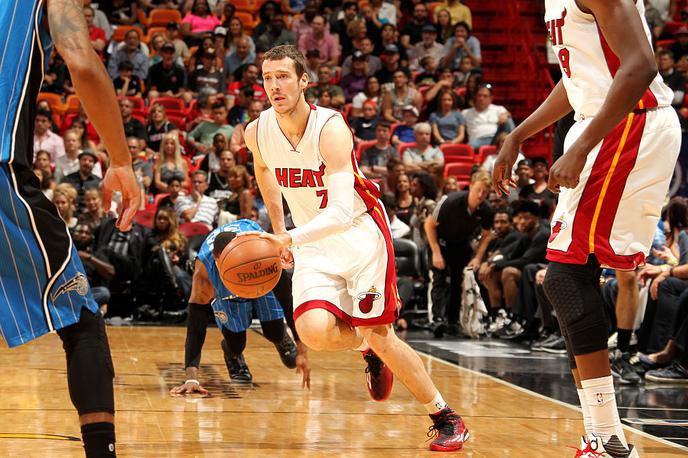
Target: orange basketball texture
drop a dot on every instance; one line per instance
(250, 266)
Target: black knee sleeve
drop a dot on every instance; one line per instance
(575, 295)
(89, 364)
(273, 330)
(236, 341)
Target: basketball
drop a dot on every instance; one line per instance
(250, 266)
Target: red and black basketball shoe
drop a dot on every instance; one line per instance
(448, 430)
(379, 376)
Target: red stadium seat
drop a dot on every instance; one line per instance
(453, 151)
(170, 103)
(55, 101)
(145, 218)
(191, 229)
(362, 146)
(72, 104)
(403, 146)
(179, 121)
(246, 19)
(241, 156)
(158, 198)
(461, 170)
(665, 44)
(139, 103)
(160, 17)
(484, 152)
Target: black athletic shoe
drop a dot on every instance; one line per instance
(675, 373)
(287, 351)
(555, 346)
(622, 369)
(236, 366)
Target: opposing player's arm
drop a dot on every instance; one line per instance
(338, 215)
(70, 34)
(623, 29)
(267, 183)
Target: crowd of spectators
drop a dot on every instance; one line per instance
(407, 76)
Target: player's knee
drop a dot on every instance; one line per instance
(510, 273)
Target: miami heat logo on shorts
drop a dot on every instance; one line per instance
(557, 226)
(77, 283)
(365, 300)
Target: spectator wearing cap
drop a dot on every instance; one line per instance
(242, 55)
(364, 126)
(44, 138)
(411, 33)
(672, 78)
(375, 159)
(83, 178)
(404, 133)
(127, 84)
(355, 81)
(390, 65)
(198, 22)
(236, 33)
(202, 136)
(485, 120)
(460, 45)
(95, 34)
(428, 46)
(448, 125)
(402, 95)
(457, 10)
(181, 50)
(132, 126)
(373, 62)
(680, 48)
(100, 19)
(277, 34)
(423, 157)
(325, 75)
(322, 40)
(167, 77)
(132, 52)
(208, 79)
(312, 63)
(524, 177)
(537, 191)
(249, 77)
(69, 163)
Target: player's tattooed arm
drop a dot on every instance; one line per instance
(67, 25)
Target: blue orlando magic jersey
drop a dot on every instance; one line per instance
(205, 255)
(25, 47)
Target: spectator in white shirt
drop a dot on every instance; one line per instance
(485, 120)
(423, 157)
(197, 207)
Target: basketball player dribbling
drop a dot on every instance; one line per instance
(344, 282)
(613, 177)
(43, 287)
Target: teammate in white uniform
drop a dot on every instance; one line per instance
(344, 282)
(618, 161)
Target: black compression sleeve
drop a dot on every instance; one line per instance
(196, 326)
(282, 291)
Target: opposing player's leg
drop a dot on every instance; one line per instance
(271, 315)
(233, 346)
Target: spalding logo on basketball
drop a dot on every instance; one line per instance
(250, 266)
(365, 300)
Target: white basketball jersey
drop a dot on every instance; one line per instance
(300, 169)
(587, 62)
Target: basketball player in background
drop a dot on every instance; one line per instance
(618, 161)
(44, 284)
(233, 315)
(344, 282)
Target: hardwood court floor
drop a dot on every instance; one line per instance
(275, 417)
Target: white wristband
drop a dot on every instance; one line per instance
(193, 380)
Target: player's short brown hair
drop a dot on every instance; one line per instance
(291, 52)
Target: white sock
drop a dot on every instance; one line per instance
(436, 404)
(601, 400)
(587, 419)
(363, 347)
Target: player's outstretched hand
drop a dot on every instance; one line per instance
(188, 387)
(303, 366)
(502, 178)
(565, 173)
(121, 178)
